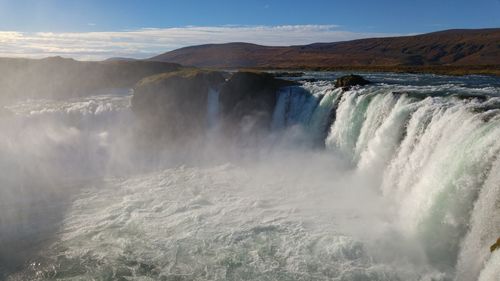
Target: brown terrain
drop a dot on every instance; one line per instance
(62, 77)
(457, 51)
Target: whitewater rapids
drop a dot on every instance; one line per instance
(394, 181)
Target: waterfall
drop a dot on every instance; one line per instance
(323, 115)
(281, 110)
(435, 157)
(212, 108)
(350, 116)
(491, 270)
(484, 228)
(386, 137)
(295, 106)
(379, 109)
(383, 182)
(307, 109)
(79, 137)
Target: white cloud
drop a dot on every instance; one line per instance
(147, 42)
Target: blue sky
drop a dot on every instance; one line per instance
(92, 29)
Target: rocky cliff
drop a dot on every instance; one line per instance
(174, 106)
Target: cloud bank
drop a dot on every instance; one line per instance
(147, 42)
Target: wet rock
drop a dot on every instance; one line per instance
(495, 246)
(346, 82)
(173, 105)
(248, 99)
(481, 98)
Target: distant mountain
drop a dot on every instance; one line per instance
(458, 47)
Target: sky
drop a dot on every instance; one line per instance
(98, 29)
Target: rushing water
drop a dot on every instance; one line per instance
(398, 180)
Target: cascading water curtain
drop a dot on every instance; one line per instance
(435, 156)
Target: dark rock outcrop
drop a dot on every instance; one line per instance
(495, 246)
(346, 82)
(248, 99)
(173, 106)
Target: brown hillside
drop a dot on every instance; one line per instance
(450, 47)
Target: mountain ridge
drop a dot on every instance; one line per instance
(455, 47)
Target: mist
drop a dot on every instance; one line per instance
(86, 191)
(54, 151)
